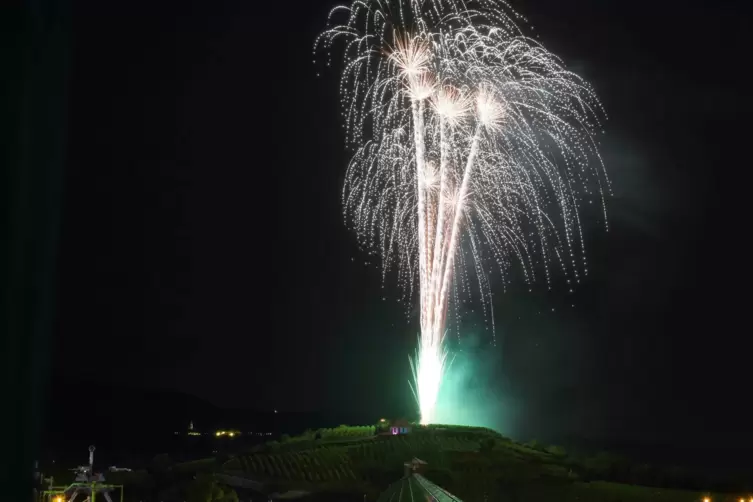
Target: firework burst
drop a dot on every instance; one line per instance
(472, 145)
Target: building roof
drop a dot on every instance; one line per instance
(416, 487)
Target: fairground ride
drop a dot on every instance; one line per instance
(86, 487)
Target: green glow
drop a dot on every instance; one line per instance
(470, 393)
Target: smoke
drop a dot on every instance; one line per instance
(473, 391)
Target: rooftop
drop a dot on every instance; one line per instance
(416, 487)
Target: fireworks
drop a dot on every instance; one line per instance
(472, 146)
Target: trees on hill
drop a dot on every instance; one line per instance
(345, 431)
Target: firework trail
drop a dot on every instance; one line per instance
(471, 144)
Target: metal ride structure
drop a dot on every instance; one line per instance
(87, 484)
(414, 486)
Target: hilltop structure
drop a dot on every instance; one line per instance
(400, 426)
(394, 427)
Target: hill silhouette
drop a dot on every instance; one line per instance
(128, 423)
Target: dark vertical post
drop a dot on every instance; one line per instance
(34, 38)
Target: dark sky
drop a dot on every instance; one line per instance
(203, 241)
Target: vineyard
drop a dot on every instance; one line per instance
(345, 431)
(369, 460)
(476, 464)
(317, 465)
(397, 449)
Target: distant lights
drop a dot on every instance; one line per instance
(227, 433)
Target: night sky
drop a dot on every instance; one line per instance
(203, 240)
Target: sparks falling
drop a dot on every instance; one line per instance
(473, 146)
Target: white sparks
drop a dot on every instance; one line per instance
(451, 105)
(472, 144)
(490, 111)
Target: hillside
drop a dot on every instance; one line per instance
(458, 458)
(475, 464)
